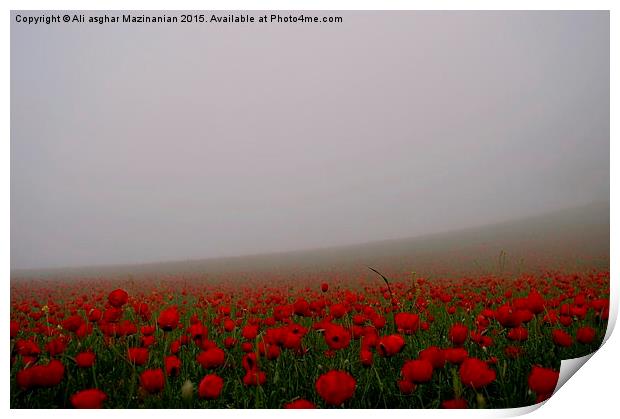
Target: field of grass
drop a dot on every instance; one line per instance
(483, 322)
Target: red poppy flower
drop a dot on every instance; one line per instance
(406, 386)
(455, 355)
(518, 333)
(168, 319)
(476, 373)
(229, 342)
(85, 359)
(211, 358)
(249, 361)
(88, 399)
(301, 307)
(458, 334)
(335, 387)
(95, 315)
(254, 378)
(535, 302)
(507, 317)
(72, 323)
(138, 356)
(585, 335)
(152, 380)
(14, 329)
(366, 357)
(390, 345)
(454, 404)
(147, 330)
(118, 298)
(434, 355)
(337, 337)
(173, 365)
(543, 381)
(112, 315)
(56, 346)
(249, 331)
(229, 325)
(324, 286)
(561, 338)
(273, 352)
(418, 371)
(337, 310)
(407, 323)
(210, 387)
(147, 341)
(300, 404)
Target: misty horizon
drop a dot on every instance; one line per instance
(137, 144)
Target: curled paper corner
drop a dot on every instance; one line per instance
(569, 367)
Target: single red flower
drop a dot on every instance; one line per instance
(454, 404)
(338, 310)
(324, 286)
(72, 323)
(434, 355)
(229, 325)
(407, 323)
(455, 355)
(147, 330)
(476, 373)
(418, 371)
(168, 319)
(585, 335)
(88, 399)
(390, 345)
(211, 358)
(337, 337)
(249, 361)
(173, 365)
(300, 404)
(210, 387)
(543, 381)
(85, 359)
(335, 387)
(458, 334)
(152, 380)
(249, 331)
(138, 356)
(518, 334)
(561, 338)
(406, 386)
(118, 298)
(366, 357)
(14, 329)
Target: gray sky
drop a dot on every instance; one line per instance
(136, 143)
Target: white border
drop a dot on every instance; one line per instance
(592, 394)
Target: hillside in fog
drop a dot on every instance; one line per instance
(571, 239)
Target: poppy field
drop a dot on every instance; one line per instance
(337, 341)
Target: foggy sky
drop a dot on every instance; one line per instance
(137, 143)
